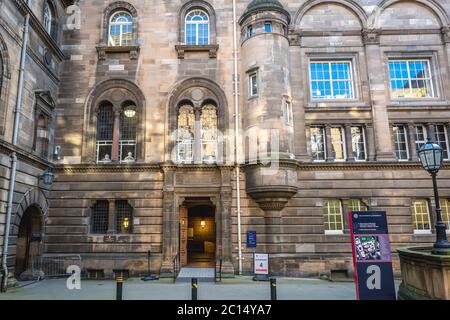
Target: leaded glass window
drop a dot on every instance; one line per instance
(99, 217)
(197, 28)
(120, 29)
(358, 143)
(127, 142)
(440, 136)
(421, 216)
(400, 142)
(332, 213)
(105, 126)
(209, 133)
(186, 129)
(411, 79)
(318, 143)
(331, 80)
(123, 217)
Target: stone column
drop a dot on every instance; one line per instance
(412, 142)
(198, 136)
(226, 222)
(384, 148)
(328, 144)
(348, 142)
(116, 137)
(370, 143)
(168, 221)
(111, 213)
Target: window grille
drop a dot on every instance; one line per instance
(99, 217)
(124, 212)
(332, 213)
(421, 217)
(105, 125)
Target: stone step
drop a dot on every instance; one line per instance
(202, 275)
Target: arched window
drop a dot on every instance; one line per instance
(186, 129)
(105, 125)
(116, 133)
(209, 133)
(128, 125)
(48, 18)
(120, 29)
(197, 28)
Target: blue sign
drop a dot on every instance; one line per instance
(251, 239)
(372, 255)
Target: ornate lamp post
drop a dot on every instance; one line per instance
(430, 155)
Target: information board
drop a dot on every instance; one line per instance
(251, 239)
(372, 260)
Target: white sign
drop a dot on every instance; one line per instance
(261, 263)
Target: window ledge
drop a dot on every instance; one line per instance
(104, 50)
(334, 232)
(431, 104)
(343, 105)
(210, 48)
(419, 232)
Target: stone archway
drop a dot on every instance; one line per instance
(27, 232)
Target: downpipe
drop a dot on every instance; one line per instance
(12, 179)
(236, 134)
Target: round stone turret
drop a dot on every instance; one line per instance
(267, 115)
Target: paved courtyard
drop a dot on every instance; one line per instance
(240, 288)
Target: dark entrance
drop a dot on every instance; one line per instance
(28, 240)
(197, 235)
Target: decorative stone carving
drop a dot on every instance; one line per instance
(272, 191)
(103, 51)
(445, 34)
(371, 36)
(210, 48)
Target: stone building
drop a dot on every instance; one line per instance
(140, 104)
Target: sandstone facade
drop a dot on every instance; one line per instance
(159, 72)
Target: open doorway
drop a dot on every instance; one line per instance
(28, 242)
(198, 236)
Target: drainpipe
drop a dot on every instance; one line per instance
(236, 135)
(12, 178)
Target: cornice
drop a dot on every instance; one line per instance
(301, 166)
(24, 156)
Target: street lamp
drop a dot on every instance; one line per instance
(430, 155)
(47, 177)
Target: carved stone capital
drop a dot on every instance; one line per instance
(371, 36)
(445, 31)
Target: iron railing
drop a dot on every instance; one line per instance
(176, 267)
(55, 265)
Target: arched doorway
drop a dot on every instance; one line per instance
(28, 243)
(197, 235)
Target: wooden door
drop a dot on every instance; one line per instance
(183, 235)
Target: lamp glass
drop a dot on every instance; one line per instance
(48, 178)
(130, 111)
(430, 156)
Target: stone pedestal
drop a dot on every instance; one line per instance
(424, 275)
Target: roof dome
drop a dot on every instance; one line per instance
(261, 5)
